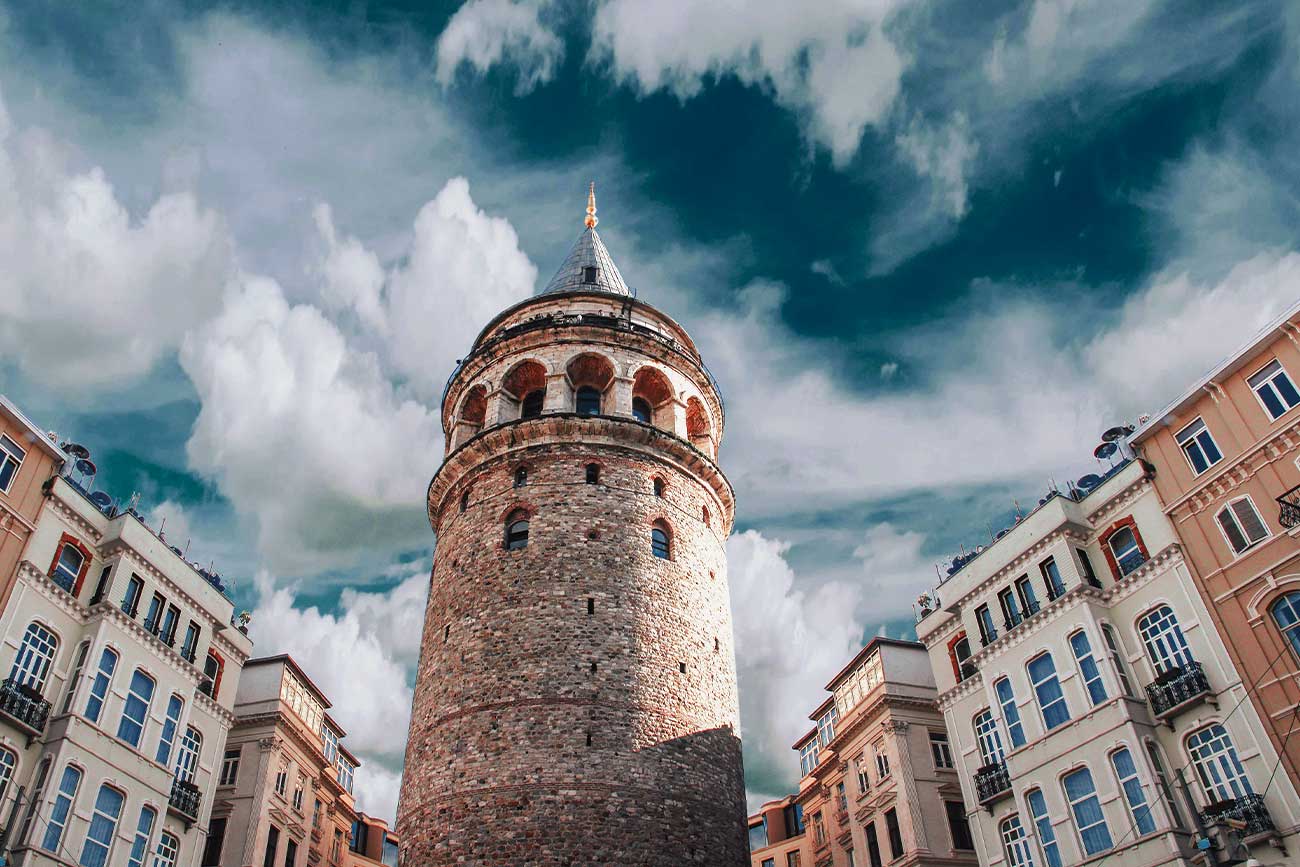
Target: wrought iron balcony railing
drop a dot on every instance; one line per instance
(185, 799)
(1248, 809)
(24, 704)
(1289, 508)
(1176, 689)
(992, 782)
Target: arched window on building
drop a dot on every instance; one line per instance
(532, 403)
(988, 737)
(1286, 614)
(661, 541)
(659, 487)
(588, 401)
(517, 530)
(1217, 766)
(103, 826)
(35, 656)
(1015, 843)
(187, 759)
(1164, 641)
(1126, 550)
(135, 710)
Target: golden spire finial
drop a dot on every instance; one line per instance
(591, 220)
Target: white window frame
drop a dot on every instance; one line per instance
(171, 723)
(941, 750)
(169, 846)
(1117, 659)
(144, 703)
(230, 766)
(52, 840)
(1010, 712)
(143, 835)
(11, 454)
(187, 757)
(1119, 558)
(1043, 825)
(1218, 767)
(809, 755)
(78, 666)
(1085, 659)
(35, 657)
(1075, 804)
(1034, 685)
(1268, 382)
(111, 819)
(1132, 789)
(101, 684)
(826, 725)
(1187, 439)
(882, 762)
(988, 737)
(864, 774)
(1230, 509)
(1015, 842)
(1166, 645)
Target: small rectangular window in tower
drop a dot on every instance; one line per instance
(593, 668)
(681, 666)
(446, 633)
(589, 274)
(588, 738)
(591, 605)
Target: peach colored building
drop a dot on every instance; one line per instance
(1227, 461)
(284, 795)
(777, 836)
(28, 459)
(880, 785)
(373, 842)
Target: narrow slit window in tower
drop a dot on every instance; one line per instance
(591, 605)
(521, 477)
(593, 474)
(517, 530)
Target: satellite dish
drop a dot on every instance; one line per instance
(76, 450)
(1089, 482)
(86, 466)
(1116, 433)
(1105, 450)
(101, 499)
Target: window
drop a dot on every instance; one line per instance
(330, 739)
(346, 773)
(873, 845)
(190, 646)
(1162, 780)
(101, 586)
(134, 590)
(1010, 605)
(517, 530)
(984, 619)
(958, 825)
(1164, 640)
(841, 798)
(1198, 446)
(641, 410)
(593, 474)
(169, 846)
(986, 735)
(1051, 701)
(895, 833)
(1286, 614)
(808, 756)
(532, 403)
(819, 829)
(35, 656)
(1217, 765)
(1025, 588)
(153, 619)
(659, 487)
(464, 501)
(67, 566)
(99, 686)
(1274, 389)
(521, 477)
(273, 845)
(1128, 553)
(793, 820)
(82, 650)
(940, 751)
(8, 761)
(315, 814)
(290, 853)
(1085, 567)
(297, 794)
(1052, 578)
(1117, 659)
(170, 621)
(882, 762)
(1043, 823)
(11, 458)
(143, 831)
(38, 795)
(230, 767)
(337, 848)
(792, 859)
(170, 724)
(1241, 524)
(1081, 795)
(864, 775)
(281, 781)
(767, 862)
(136, 708)
(1010, 713)
(960, 656)
(588, 401)
(758, 838)
(103, 823)
(826, 725)
(659, 542)
(1088, 667)
(62, 807)
(187, 759)
(1126, 773)
(212, 668)
(212, 849)
(1015, 843)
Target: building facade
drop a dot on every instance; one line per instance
(879, 782)
(28, 459)
(1227, 455)
(284, 796)
(122, 664)
(576, 696)
(1094, 711)
(777, 834)
(373, 842)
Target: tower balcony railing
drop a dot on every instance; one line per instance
(24, 705)
(992, 782)
(1248, 810)
(1178, 689)
(1289, 508)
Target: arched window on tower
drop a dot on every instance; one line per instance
(641, 410)
(532, 405)
(588, 401)
(521, 476)
(593, 474)
(659, 487)
(517, 530)
(661, 541)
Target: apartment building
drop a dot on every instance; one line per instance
(1093, 711)
(122, 664)
(879, 784)
(28, 458)
(777, 834)
(284, 797)
(1227, 459)
(373, 842)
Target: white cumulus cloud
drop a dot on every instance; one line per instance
(484, 33)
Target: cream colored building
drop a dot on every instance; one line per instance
(285, 795)
(122, 664)
(1093, 711)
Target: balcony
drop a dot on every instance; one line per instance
(1289, 508)
(1249, 810)
(1176, 690)
(992, 782)
(24, 705)
(184, 801)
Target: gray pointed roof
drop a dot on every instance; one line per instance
(588, 252)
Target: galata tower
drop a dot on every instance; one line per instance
(576, 698)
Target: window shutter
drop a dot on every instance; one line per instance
(1231, 530)
(1250, 520)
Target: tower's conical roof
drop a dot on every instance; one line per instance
(588, 265)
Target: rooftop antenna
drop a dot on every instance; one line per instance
(591, 220)
(1016, 502)
(187, 548)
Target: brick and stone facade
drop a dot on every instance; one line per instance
(576, 698)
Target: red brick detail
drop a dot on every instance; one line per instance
(952, 655)
(221, 669)
(69, 539)
(1126, 521)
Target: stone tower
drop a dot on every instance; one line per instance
(576, 698)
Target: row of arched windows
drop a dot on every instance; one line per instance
(517, 523)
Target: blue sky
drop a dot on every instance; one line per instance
(930, 251)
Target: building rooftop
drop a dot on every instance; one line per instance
(872, 646)
(297, 670)
(39, 437)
